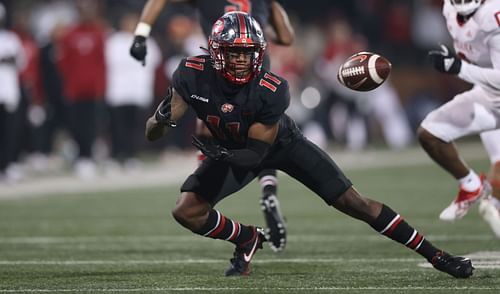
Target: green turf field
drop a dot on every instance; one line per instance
(127, 241)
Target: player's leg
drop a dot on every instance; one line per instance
(194, 210)
(276, 229)
(389, 223)
(489, 207)
(468, 113)
(320, 174)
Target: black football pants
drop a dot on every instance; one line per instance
(299, 158)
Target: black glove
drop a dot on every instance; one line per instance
(138, 50)
(210, 149)
(445, 61)
(163, 113)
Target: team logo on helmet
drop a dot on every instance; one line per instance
(218, 26)
(226, 107)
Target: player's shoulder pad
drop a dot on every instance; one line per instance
(190, 69)
(446, 7)
(189, 73)
(195, 64)
(273, 89)
(271, 83)
(488, 16)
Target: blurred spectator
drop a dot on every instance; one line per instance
(82, 65)
(350, 111)
(183, 38)
(129, 90)
(54, 103)
(51, 13)
(31, 113)
(12, 62)
(397, 32)
(428, 15)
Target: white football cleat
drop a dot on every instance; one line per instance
(491, 214)
(464, 200)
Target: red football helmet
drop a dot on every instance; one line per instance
(237, 33)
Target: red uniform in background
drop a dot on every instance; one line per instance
(81, 62)
(82, 66)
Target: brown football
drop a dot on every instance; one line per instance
(364, 71)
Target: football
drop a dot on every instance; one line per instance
(364, 71)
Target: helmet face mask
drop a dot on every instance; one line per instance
(236, 46)
(238, 61)
(466, 7)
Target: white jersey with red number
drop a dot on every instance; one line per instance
(477, 41)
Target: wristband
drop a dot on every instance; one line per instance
(142, 29)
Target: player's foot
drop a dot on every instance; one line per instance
(276, 230)
(491, 214)
(464, 200)
(459, 267)
(240, 263)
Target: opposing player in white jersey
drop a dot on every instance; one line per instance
(474, 26)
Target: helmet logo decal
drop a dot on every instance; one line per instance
(226, 107)
(218, 26)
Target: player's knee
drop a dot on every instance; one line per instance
(190, 211)
(182, 210)
(425, 138)
(179, 214)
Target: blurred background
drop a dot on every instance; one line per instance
(74, 55)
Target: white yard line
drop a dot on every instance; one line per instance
(206, 261)
(181, 239)
(236, 289)
(482, 259)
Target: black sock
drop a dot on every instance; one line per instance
(220, 227)
(392, 225)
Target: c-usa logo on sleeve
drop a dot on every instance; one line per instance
(199, 98)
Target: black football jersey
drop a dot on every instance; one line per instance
(228, 110)
(211, 10)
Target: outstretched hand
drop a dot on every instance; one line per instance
(445, 60)
(211, 150)
(163, 113)
(138, 50)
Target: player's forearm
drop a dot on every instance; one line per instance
(150, 13)
(488, 78)
(249, 157)
(281, 25)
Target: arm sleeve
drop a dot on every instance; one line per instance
(180, 81)
(249, 157)
(488, 78)
(274, 105)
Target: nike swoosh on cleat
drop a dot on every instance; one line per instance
(448, 62)
(248, 257)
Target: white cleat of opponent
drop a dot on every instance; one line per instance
(464, 200)
(491, 214)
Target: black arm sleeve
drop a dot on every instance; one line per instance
(181, 80)
(249, 157)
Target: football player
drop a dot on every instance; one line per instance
(474, 26)
(263, 11)
(243, 106)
